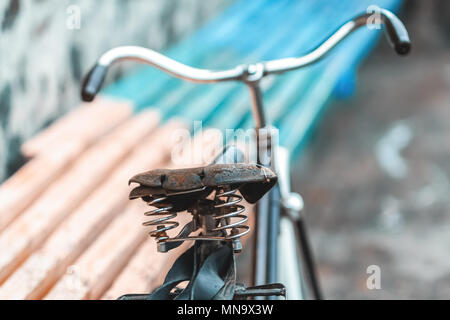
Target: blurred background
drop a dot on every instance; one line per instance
(374, 174)
(47, 46)
(375, 177)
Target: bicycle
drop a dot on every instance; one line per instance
(210, 193)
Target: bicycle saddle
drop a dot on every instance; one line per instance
(252, 180)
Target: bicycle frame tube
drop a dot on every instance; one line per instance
(266, 243)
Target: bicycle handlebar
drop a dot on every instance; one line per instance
(395, 31)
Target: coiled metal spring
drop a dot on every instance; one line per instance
(164, 223)
(228, 215)
(227, 209)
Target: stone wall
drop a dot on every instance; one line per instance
(47, 45)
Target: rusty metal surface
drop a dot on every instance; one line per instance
(252, 180)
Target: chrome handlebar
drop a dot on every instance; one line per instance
(396, 34)
(394, 29)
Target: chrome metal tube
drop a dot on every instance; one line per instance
(169, 65)
(394, 28)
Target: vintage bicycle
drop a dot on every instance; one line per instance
(283, 263)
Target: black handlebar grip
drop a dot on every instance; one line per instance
(93, 82)
(397, 33)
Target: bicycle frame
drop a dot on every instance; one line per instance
(279, 203)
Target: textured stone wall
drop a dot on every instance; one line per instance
(47, 45)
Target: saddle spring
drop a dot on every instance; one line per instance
(229, 208)
(228, 217)
(164, 222)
